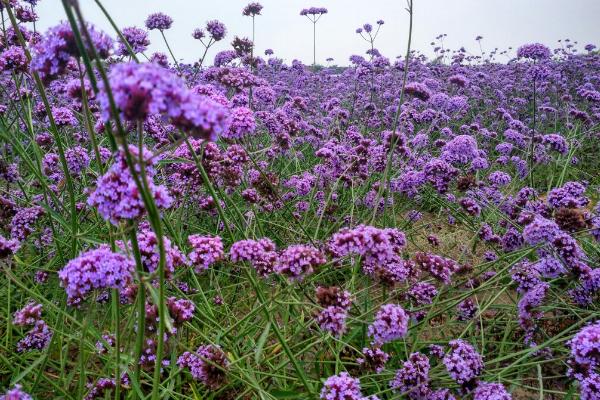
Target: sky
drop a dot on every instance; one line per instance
(502, 23)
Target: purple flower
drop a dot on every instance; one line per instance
(100, 389)
(313, 11)
(38, 338)
(585, 347)
(25, 14)
(534, 51)
(375, 245)
(333, 320)
(160, 59)
(413, 377)
(260, 253)
(241, 123)
(499, 178)
(467, 309)
(470, 206)
(526, 275)
(51, 55)
(13, 59)
(373, 359)
(206, 250)
(252, 9)
(298, 261)
(22, 224)
(422, 293)
(341, 387)
(391, 323)
(63, 116)
(441, 394)
(540, 231)
(181, 310)
(590, 387)
(333, 296)
(418, 90)
(491, 391)
(224, 57)
(550, 267)
(8, 247)
(150, 255)
(16, 394)
(512, 240)
(117, 196)
(463, 362)
(147, 89)
(137, 39)
(77, 160)
(158, 21)
(439, 173)
(95, 269)
(28, 315)
(462, 149)
(107, 342)
(216, 29)
(556, 142)
(198, 34)
(208, 365)
(570, 195)
(439, 267)
(458, 80)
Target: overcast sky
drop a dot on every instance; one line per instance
(502, 23)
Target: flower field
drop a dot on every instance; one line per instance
(240, 227)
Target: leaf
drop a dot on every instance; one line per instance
(261, 343)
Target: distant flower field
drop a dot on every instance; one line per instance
(243, 228)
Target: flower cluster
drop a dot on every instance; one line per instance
(208, 365)
(463, 362)
(206, 251)
(117, 195)
(94, 270)
(141, 90)
(391, 323)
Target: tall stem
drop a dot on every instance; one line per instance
(384, 181)
(170, 51)
(314, 43)
(532, 139)
(54, 131)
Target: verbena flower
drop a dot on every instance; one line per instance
(332, 319)
(141, 90)
(391, 323)
(51, 55)
(38, 338)
(16, 394)
(373, 359)
(298, 261)
(208, 365)
(94, 270)
(585, 346)
(341, 387)
(28, 315)
(252, 9)
(463, 362)
(216, 30)
(413, 377)
(534, 51)
(117, 197)
(137, 39)
(159, 21)
(22, 224)
(206, 250)
(491, 391)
